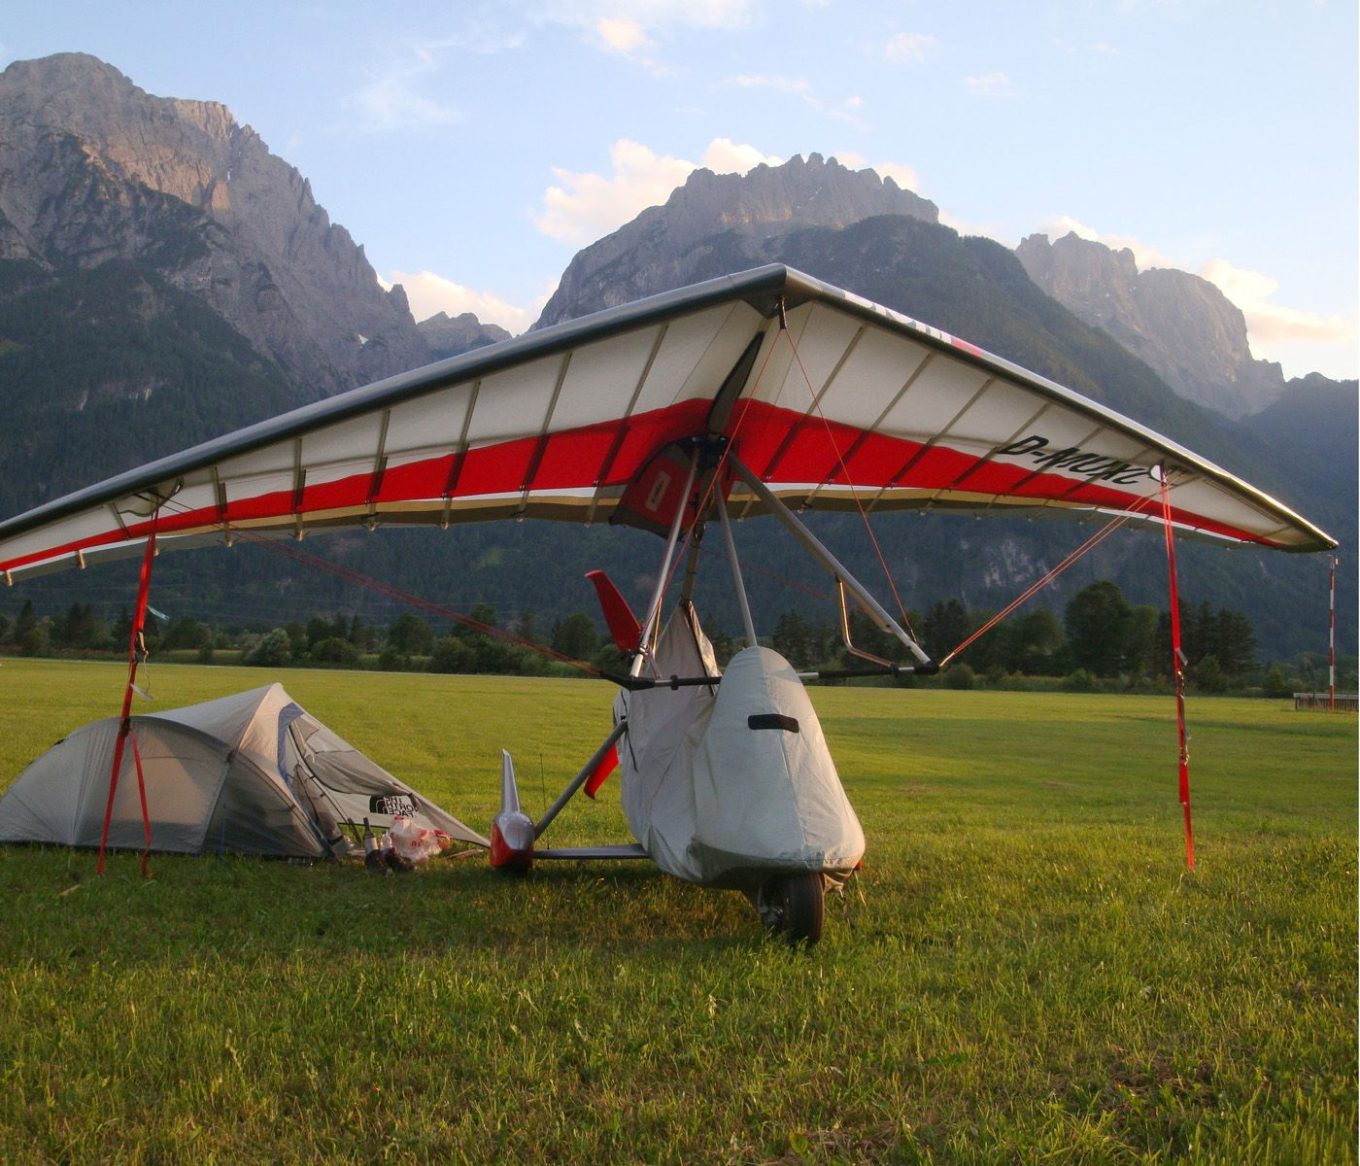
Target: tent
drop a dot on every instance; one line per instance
(251, 773)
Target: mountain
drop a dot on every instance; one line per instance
(93, 170)
(454, 335)
(1182, 326)
(711, 224)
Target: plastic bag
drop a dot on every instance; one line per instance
(415, 843)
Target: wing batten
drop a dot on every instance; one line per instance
(607, 463)
(987, 459)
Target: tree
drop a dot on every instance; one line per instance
(1143, 640)
(945, 627)
(795, 640)
(409, 635)
(335, 650)
(274, 650)
(186, 632)
(80, 628)
(452, 654)
(1098, 622)
(1233, 642)
(26, 621)
(318, 629)
(1209, 676)
(1036, 644)
(1224, 634)
(575, 636)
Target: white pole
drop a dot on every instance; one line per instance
(751, 641)
(653, 619)
(1331, 642)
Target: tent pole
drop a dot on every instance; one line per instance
(136, 644)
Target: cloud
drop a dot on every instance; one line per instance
(845, 111)
(1269, 323)
(635, 28)
(798, 86)
(429, 294)
(904, 176)
(391, 101)
(583, 207)
(989, 84)
(909, 46)
(621, 36)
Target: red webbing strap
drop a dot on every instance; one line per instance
(135, 642)
(1178, 670)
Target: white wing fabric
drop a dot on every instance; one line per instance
(831, 400)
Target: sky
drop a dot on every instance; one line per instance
(473, 148)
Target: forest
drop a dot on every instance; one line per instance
(1099, 641)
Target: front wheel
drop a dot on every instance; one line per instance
(791, 906)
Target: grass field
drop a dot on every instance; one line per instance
(1023, 973)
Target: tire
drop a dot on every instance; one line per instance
(792, 905)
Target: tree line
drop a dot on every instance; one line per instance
(1098, 636)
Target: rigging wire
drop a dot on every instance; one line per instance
(1038, 585)
(845, 472)
(305, 558)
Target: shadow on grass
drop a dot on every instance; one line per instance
(233, 907)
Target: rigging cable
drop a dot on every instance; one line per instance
(1044, 580)
(410, 599)
(854, 493)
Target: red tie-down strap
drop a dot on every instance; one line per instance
(1178, 670)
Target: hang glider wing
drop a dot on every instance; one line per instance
(830, 400)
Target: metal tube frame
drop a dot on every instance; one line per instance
(579, 780)
(737, 580)
(654, 608)
(814, 546)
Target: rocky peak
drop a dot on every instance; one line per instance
(672, 245)
(771, 200)
(453, 335)
(1182, 326)
(93, 168)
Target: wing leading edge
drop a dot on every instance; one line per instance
(834, 402)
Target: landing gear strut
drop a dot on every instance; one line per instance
(791, 906)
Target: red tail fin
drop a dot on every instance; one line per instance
(608, 763)
(623, 624)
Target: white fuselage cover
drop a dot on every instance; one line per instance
(727, 785)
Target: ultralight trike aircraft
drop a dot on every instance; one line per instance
(764, 392)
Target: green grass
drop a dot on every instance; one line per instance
(1024, 972)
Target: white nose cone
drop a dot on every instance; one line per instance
(766, 793)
